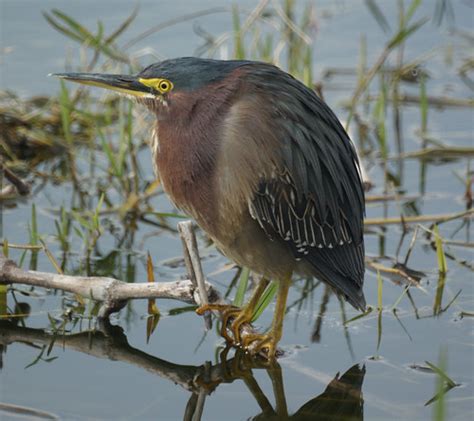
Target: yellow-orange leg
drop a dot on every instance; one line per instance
(246, 314)
(240, 316)
(227, 311)
(268, 341)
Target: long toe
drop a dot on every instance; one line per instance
(227, 312)
(261, 344)
(242, 318)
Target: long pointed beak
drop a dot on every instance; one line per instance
(121, 83)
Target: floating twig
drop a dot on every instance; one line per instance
(21, 246)
(418, 218)
(441, 101)
(438, 153)
(389, 197)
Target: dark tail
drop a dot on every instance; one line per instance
(342, 268)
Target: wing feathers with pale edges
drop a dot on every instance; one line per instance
(315, 200)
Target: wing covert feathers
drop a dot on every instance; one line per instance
(314, 200)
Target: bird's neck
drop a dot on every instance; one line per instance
(188, 143)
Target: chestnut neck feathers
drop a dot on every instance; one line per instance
(187, 131)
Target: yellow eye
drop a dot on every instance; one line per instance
(164, 86)
(161, 85)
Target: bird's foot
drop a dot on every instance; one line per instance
(261, 344)
(232, 317)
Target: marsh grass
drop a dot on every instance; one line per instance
(253, 36)
(443, 385)
(95, 147)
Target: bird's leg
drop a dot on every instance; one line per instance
(268, 341)
(227, 311)
(240, 315)
(245, 315)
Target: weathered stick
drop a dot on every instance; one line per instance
(21, 186)
(112, 292)
(419, 218)
(193, 264)
(389, 197)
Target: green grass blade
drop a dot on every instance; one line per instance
(412, 9)
(359, 316)
(405, 33)
(62, 29)
(442, 264)
(5, 247)
(126, 23)
(75, 30)
(34, 227)
(74, 26)
(265, 300)
(22, 258)
(379, 291)
(95, 218)
(308, 67)
(441, 371)
(242, 287)
(110, 155)
(100, 32)
(443, 385)
(3, 300)
(82, 221)
(423, 105)
(65, 108)
(397, 301)
(380, 118)
(379, 308)
(378, 15)
(180, 310)
(379, 331)
(239, 50)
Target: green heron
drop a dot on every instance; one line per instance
(263, 166)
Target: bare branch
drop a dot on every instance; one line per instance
(112, 292)
(21, 186)
(193, 264)
(420, 218)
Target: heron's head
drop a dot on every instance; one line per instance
(159, 84)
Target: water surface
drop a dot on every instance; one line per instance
(114, 373)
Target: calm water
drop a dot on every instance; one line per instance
(116, 374)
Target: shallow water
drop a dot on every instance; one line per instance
(104, 372)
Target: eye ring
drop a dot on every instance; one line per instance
(164, 86)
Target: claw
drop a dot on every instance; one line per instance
(231, 313)
(228, 312)
(253, 343)
(243, 317)
(261, 344)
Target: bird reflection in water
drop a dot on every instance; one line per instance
(341, 400)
